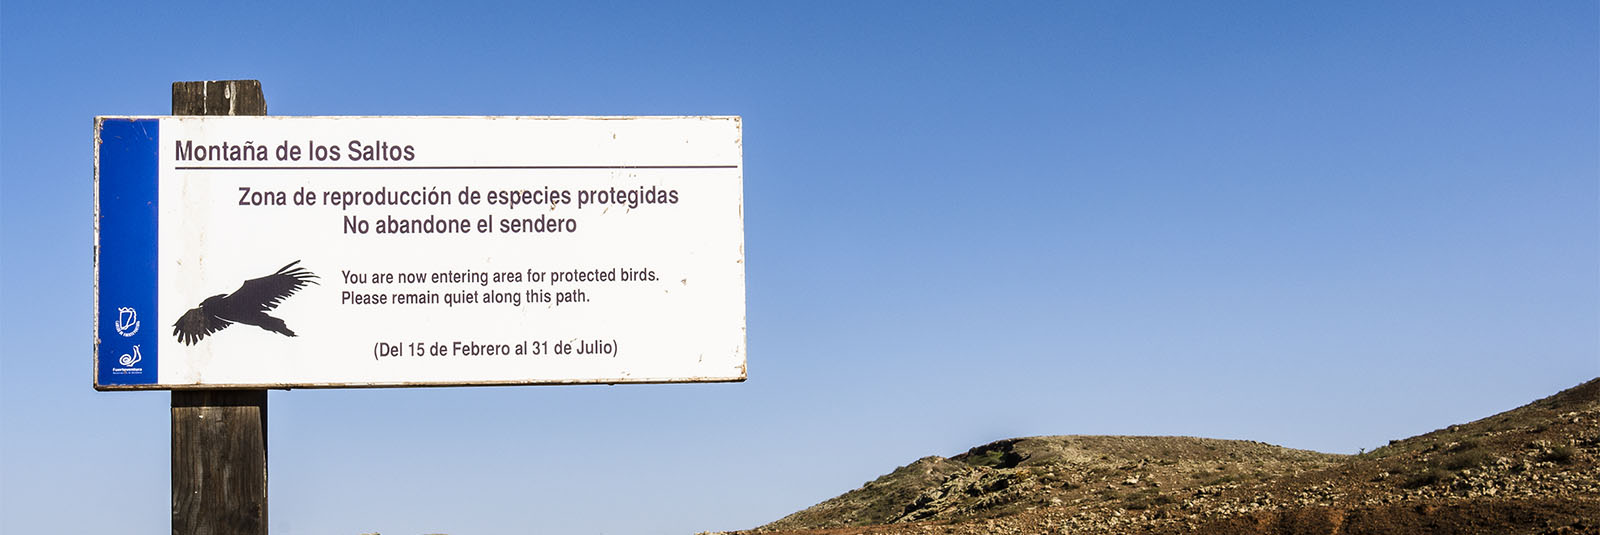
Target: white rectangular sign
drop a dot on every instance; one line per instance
(235, 252)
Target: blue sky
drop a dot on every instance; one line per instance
(1319, 226)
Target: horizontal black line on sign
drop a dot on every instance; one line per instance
(438, 167)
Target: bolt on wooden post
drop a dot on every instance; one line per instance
(219, 437)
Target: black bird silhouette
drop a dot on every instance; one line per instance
(248, 305)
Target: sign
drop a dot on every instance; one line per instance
(306, 252)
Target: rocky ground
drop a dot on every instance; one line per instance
(1533, 470)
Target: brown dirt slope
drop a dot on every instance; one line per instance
(1534, 470)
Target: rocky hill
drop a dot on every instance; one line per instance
(1530, 470)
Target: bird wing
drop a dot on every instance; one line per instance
(196, 324)
(263, 294)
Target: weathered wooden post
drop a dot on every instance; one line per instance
(219, 437)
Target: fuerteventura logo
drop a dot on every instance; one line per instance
(127, 360)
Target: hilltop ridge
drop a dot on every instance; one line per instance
(1532, 469)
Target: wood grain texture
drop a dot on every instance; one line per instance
(219, 437)
(224, 97)
(219, 462)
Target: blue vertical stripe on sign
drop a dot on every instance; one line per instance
(128, 182)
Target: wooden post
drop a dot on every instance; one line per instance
(228, 97)
(219, 437)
